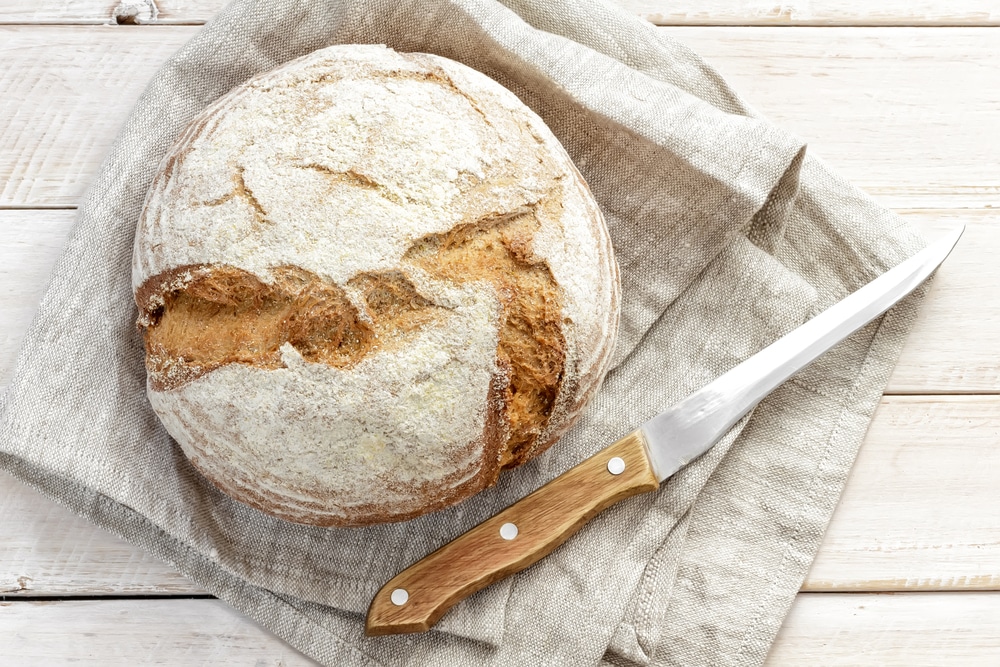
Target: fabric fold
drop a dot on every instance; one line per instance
(727, 235)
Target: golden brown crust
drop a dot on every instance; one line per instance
(199, 318)
(196, 319)
(531, 343)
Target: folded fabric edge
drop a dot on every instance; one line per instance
(880, 358)
(686, 486)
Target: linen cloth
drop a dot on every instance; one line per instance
(727, 235)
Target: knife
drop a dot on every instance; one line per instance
(534, 526)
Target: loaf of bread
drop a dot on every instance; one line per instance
(367, 282)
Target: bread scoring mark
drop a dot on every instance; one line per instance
(434, 72)
(224, 315)
(356, 178)
(429, 71)
(241, 189)
(531, 347)
(219, 201)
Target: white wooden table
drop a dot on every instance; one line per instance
(903, 97)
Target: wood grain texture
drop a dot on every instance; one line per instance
(920, 510)
(538, 523)
(908, 114)
(906, 630)
(30, 244)
(48, 551)
(124, 633)
(911, 630)
(66, 92)
(662, 12)
(816, 12)
(867, 630)
(940, 357)
(110, 12)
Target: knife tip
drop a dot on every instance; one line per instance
(938, 251)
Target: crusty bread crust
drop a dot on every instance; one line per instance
(368, 282)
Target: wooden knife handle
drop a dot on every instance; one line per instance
(512, 540)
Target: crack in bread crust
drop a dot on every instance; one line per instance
(531, 344)
(204, 317)
(212, 316)
(356, 178)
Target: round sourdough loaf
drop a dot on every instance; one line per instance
(368, 281)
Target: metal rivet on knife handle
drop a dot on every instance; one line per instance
(616, 465)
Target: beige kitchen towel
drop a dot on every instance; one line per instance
(727, 235)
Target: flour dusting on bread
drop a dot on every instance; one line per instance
(368, 281)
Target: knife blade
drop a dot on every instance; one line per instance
(415, 599)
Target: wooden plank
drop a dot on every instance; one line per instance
(110, 12)
(127, 12)
(66, 92)
(953, 345)
(911, 630)
(906, 630)
(48, 551)
(661, 12)
(937, 358)
(908, 114)
(137, 632)
(816, 13)
(919, 513)
(30, 244)
(920, 509)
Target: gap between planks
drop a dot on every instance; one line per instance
(64, 597)
(660, 22)
(889, 630)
